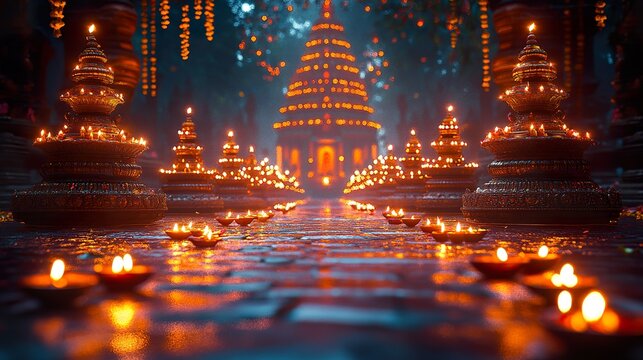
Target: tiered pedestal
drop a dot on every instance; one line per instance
(236, 197)
(445, 187)
(190, 192)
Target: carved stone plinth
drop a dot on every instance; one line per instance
(190, 192)
(445, 186)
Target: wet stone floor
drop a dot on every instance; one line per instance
(322, 282)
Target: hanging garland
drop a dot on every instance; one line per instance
(164, 10)
(198, 9)
(452, 22)
(153, 67)
(484, 44)
(599, 11)
(209, 20)
(185, 32)
(57, 15)
(144, 46)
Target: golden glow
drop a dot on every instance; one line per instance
(128, 262)
(543, 251)
(593, 306)
(458, 228)
(450, 108)
(566, 277)
(188, 110)
(230, 133)
(502, 255)
(92, 28)
(564, 301)
(532, 27)
(117, 265)
(326, 181)
(57, 270)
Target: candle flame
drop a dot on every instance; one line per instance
(229, 214)
(401, 212)
(532, 27)
(428, 222)
(189, 110)
(117, 265)
(230, 133)
(176, 227)
(390, 147)
(543, 251)
(502, 255)
(442, 227)
(458, 227)
(413, 132)
(564, 301)
(438, 221)
(593, 306)
(190, 225)
(251, 149)
(128, 262)
(566, 277)
(450, 108)
(57, 270)
(92, 28)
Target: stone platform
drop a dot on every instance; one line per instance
(322, 282)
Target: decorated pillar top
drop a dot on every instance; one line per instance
(449, 143)
(230, 162)
(413, 159)
(188, 151)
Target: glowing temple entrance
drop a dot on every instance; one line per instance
(326, 131)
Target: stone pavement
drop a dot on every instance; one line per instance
(322, 282)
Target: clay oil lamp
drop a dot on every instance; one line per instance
(208, 240)
(395, 217)
(249, 214)
(194, 231)
(429, 227)
(470, 235)
(386, 212)
(370, 208)
(177, 233)
(227, 220)
(440, 236)
(262, 216)
(123, 275)
(411, 221)
(244, 220)
(271, 214)
(500, 266)
(58, 288)
(594, 325)
(541, 262)
(549, 284)
(353, 204)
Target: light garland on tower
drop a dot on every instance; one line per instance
(153, 58)
(484, 43)
(57, 15)
(198, 9)
(164, 10)
(600, 17)
(144, 46)
(185, 32)
(209, 20)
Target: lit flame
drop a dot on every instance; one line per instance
(458, 228)
(229, 214)
(189, 110)
(57, 270)
(117, 265)
(401, 212)
(128, 262)
(230, 133)
(564, 301)
(92, 28)
(566, 277)
(390, 147)
(438, 221)
(428, 222)
(593, 306)
(413, 132)
(251, 149)
(543, 251)
(450, 108)
(190, 225)
(502, 254)
(326, 181)
(176, 227)
(532, 27)
(442, 227)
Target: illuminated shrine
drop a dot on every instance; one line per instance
(326, 130)
(188, 183)
(539, 175)
(268, 182)
(91, 175)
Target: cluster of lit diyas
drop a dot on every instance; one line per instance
(419, 183)
(429, 227)
(394, 217)
(550, 283)
(358, 206)
(449, 176)
(539, 175)
(91, 176)
(285, 207)
(268, 182)
(589, 325)
(458, 235)
(189, 184)
(58, 288)
(244, 219)
(179, 232)
(206, 238)
(500, 265)
(123, 275)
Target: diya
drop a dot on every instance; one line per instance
(262, 216)
(470, 235)
(58, 288)
(395, 217)
(123, 275)
(428, 227)
(208, 240)
(227, 220)
(549, 284)
(244, 220)
(440, 236)
(386, 212)
(541, 262)
(177, 233)
(412, 221)
(500, 266)
(594, 325)
(194, 231)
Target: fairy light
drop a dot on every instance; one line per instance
(209, 20)
(185, 32)
(57, 15)
(153, 57)
(198, 9)
(452, 22)
(144, 46)
(164, 10)
(484, 44)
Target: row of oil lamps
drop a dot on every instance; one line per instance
(582, 312)
(62, 288)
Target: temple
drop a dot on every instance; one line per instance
(326, 130)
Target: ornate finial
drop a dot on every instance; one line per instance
(92, 65)
(449, 144)
(533, 64)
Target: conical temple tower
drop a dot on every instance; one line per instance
(539, 175)
(326, 131)
(188, 184)
(91, 177)
(448, 175)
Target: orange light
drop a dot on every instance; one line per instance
(57, 270)
(564, 301)
(593, 306)
(92, 28)
(188, 110)
(502, 255)
(532, 27)
(326, 181)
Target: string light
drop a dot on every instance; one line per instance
(484, 44)
(185, 32)
(599, 11)
(57, 15)
(164, 10)
(144, 46)
(153, 57)
(452, 22)
(198, 9)
(209, 20)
